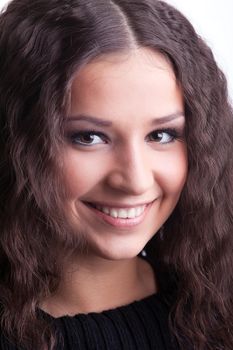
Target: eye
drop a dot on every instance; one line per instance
(164, 136)
(87, 138)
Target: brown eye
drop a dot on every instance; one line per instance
(87, 138)
(163, 136)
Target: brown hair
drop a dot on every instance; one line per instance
(42, 44)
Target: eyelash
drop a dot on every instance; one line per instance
(173, 133)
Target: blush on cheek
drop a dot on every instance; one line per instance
(80, 175)
(172, 179)
(75, 185)
(177, 168)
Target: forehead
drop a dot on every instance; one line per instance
(133, 85)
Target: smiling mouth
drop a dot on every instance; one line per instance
(122, 213)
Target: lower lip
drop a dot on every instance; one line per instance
(119, 222)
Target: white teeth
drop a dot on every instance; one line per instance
(122, 213)
(105, 210)
(113, 213)
(131, 213)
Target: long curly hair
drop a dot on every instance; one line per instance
(42, 46)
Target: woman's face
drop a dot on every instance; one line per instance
(125, 151)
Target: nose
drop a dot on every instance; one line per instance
(132, 171)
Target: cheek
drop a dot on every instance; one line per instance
(173, 171)
(80, 173)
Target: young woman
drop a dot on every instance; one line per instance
(116, 180)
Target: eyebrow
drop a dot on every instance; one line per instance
(106, 123)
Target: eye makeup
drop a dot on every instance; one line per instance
(91, 137)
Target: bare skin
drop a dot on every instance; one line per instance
(134, 279)
(138, 160)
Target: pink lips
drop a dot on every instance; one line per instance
(119, 222)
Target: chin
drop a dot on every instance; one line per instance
(119, 253)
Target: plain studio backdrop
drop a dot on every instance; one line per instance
(213, 20)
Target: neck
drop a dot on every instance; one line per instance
(96, 284)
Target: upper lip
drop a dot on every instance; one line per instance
(117, 205)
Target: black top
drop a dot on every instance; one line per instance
(140, 325)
